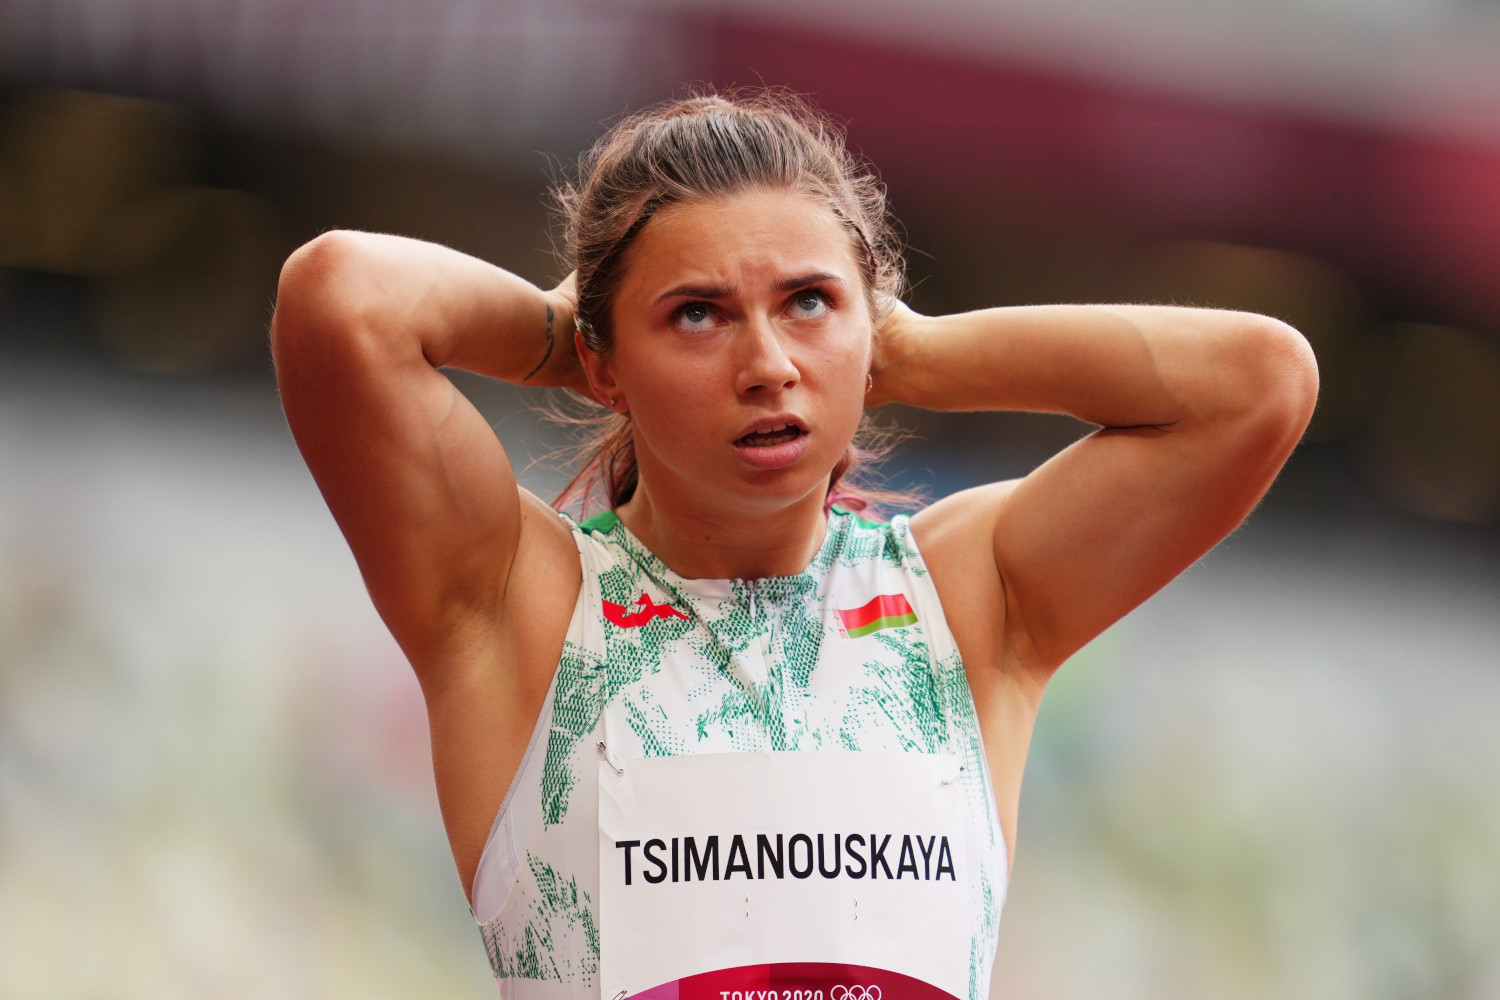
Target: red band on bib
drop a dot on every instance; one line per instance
(796, 981)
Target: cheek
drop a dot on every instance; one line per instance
(842, 366)
(840, 379)
(669, 394)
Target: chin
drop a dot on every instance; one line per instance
(783, 488)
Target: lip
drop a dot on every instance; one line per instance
(766, 423)
(777, 456)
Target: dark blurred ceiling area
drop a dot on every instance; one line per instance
(159, 159)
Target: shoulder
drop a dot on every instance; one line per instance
(963, 523)
(956, 536)
(946, 533)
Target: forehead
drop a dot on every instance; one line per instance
(755, 234)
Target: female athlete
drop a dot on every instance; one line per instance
(727, 737)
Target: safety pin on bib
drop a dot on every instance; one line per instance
(609, 759)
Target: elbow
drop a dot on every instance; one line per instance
(1293, 373)
(308, 290)
(326, 305)
(1280, 382)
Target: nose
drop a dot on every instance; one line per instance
(765, 365)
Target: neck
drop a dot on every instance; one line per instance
(699, 542)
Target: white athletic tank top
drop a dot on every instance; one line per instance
(853, 654)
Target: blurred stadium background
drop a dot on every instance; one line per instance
(1279, 778)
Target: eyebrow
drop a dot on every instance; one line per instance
(723, 291)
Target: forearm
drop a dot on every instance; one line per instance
(1118, 366)
(410, 296)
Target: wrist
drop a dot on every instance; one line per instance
(561, 367)
(898, 339)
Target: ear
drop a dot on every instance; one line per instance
(600, 374)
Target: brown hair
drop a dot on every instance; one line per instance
(703, 147)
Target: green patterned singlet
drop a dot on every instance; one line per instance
(852, 654)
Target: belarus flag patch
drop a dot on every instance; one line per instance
(885, 611)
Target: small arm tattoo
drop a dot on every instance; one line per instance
(550, 343)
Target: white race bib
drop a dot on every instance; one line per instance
(794, 876)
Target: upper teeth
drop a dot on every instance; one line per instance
(773, 430)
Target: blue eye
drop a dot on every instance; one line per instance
(809, 304)
(695, 316)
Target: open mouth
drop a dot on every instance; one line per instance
(772, 436)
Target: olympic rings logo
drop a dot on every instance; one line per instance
(854, 993)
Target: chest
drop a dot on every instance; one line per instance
(690, 680)
(672, 673)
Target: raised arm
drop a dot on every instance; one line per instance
(413, 474)
(1198, 410)
(423, 490)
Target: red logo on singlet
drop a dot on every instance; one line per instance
(649, 611)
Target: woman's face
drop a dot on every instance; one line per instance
(742, 337)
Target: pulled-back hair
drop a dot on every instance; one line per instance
(702, 148)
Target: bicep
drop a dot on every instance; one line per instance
(1113, 518)
(413, 474)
